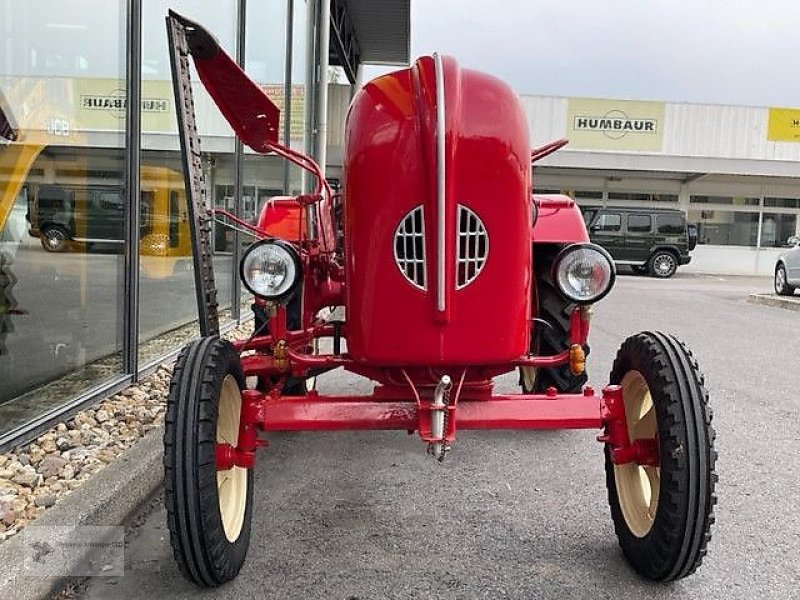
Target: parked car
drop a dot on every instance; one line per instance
(68, 215)
(650, 240)
(787, 268)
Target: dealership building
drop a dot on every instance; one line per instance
(734, 170)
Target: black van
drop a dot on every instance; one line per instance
(649, 240)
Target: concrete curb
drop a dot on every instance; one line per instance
(111, 497)
(787, 302)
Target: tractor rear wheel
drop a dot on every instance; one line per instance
(551, 337)
(663, 513)
(208, 510)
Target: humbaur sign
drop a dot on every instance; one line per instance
(615, 124)
(100, 104)
(116, 103)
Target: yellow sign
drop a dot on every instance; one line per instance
(276, 93)
(100, 105)
(594, 124)
(62, 106)
(784, 125)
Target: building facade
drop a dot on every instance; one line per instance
(96, 275)
(733, 169)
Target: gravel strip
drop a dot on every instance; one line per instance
(36, 476)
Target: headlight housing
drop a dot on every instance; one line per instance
(271, 269)
(584, 273)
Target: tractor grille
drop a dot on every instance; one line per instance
(473, 247)
(409, 247)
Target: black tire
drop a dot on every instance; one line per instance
(662, 264)
(782, 288)
(675, 544)
(54, 238)
(549, 338)
(201, 547)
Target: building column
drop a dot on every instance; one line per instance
(133, 139)
(238, 159)
(321, 97)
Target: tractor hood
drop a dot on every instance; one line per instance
(437, 209)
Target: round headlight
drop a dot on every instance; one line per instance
(584, 272)
(270, 269)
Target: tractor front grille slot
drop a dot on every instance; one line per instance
(409, 248)
(473, 247)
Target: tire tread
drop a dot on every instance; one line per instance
(677, 543)
(201, 550)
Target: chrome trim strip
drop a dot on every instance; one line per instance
(440, 183)
(637, 263)
(97, 240)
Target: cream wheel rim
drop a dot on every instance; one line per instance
(638, 485)
(528, 377)
(231, 483)
(311, 382)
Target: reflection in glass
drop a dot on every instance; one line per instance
(167, 305)
(776, 229)
(727, 228)
(62, 202)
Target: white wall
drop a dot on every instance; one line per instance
(690, 130)
(732, 260)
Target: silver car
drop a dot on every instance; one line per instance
(787, 269)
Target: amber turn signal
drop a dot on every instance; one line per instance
(577, 359)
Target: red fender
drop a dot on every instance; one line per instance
(559, 220)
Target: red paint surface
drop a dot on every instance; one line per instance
(332, 413)
(559, 221)
(282, 217)
(253, 116)
(390, 168)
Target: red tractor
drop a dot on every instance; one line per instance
(450, 274)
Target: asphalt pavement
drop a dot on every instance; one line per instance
(522, 514)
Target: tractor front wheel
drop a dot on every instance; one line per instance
(208, 510)
(663, 509)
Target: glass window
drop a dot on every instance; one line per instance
(725, 227)
(642, 197)
(782, 202)
(167, 307)
(608, 222)
(670, 224)
(588, 214)
(587, 195)
(776, 229)
(639, 223)
(298, 99)
(730, 200)
(62, 86)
